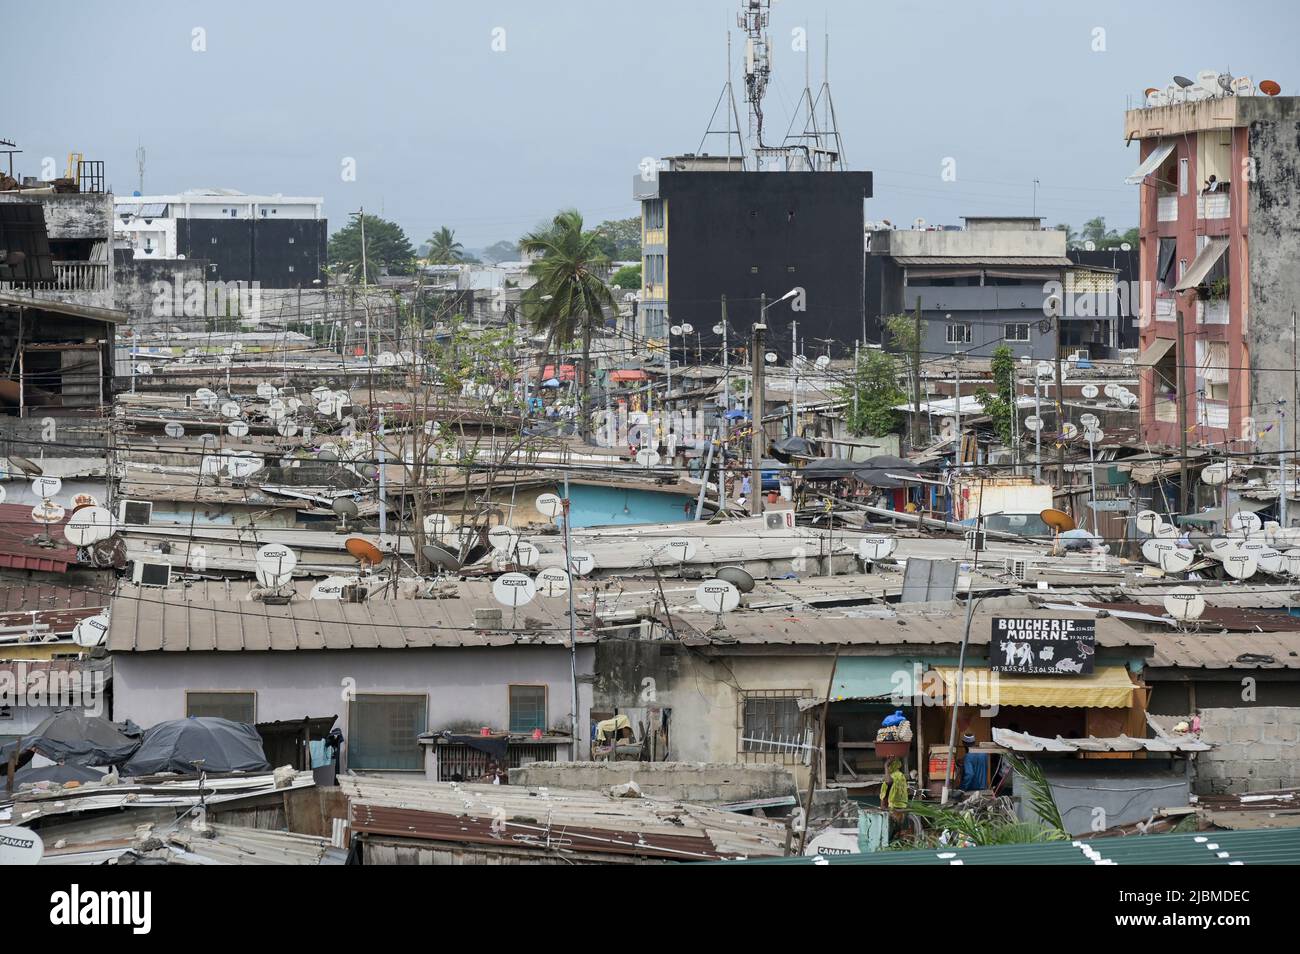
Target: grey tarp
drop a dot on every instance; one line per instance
(51, 773)
(74, 738)
(884, 471)
(222, 745)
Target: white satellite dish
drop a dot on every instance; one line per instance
(241, 466)
(230, 409)
(266, 390)
(88, 526)
(675, 330)
(1044, 369)
(174, 429)
(293, 404)
(680, 549)
(1128, 398)
(1176, 560)
(320, 393)
(876, 546)
(143, 369)
(1090, 390)
(237, 428)
(91, 631)
(46, 487)
(1153, 548)
(1147, 521)
(1166, 531)
(271, 579)
(3, 493)
(206, 395)
(1184, 604)
(526, 554)
(717, 596)
(331, 588)
(552, 582)
(326, 407)
(549, 505)
(276, 560)
(1240, 566)
(286, 428)
(1034, 423)
(1094, 435)
(437, 524)
(1220, 546)
(47, 512)
(1246, 521)
(20, 846)
(1089, 420)
(514, 589)
(581, 562)
(1215, 474)
(823, 362)
(647, 457)
(1271, 560)
(503, 539)
(1069, 431)
(1292, 562)
(276, 410)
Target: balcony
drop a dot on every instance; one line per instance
(70, 277)
(1167, 208)
(1213, 205)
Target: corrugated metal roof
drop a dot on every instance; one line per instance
(146, 619)
(1226, 651)
(1024, 742)
(1040, 261)
(18, 552)
(1276, 846)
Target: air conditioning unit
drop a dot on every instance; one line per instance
(137, 512)
(1018, 569)
(151, 574)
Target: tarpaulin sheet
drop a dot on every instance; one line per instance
(175, 746)
(1107, 688)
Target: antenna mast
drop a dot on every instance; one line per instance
(753, 18)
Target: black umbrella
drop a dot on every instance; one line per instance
(826, 468)
(794, 446)
(221, 745)
(74, 738)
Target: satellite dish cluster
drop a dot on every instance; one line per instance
(1250, 547)
(1209, 84)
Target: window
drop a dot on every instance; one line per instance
(237, 705)
(1016, 332)
(789, 268)
(958, 333)
(382, 732)
(654, 270)
(753, 269)
(772, 724)
(654, 213)
(1182, 177)
(214, 240)
(527, 709)
(655, 323)
(290, 239)
(290, 268)
(1168, 248)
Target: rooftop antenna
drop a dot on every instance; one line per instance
(139, 164)
(753, 20)
(727, 103)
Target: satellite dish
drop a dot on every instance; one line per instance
(675, 329)
(345, 507)
(286, 428)
(91, 631)
(387, 359)
(326, 407)
(174, 429)
(1220, 546)
(514, 589)
(276, 410)
(1090, 390)
(581, 562)
(88, 526)
(1034, 423)
(1153, 548)
(1245, 521)
(1128, 398)
(1069, 431)
(770, 357)
(437, 524)
(503, 539)
(208, 440)
(1147, 521)
(1184, 604)
(647, 457)
(1058, 520)
(241, 466)
(440, 557)
(271, 579)
(1240, 566)
(1215, 474)
(1125, 247)
(237, 428)
(549, 505)
(552, 582)
(876, 547)
(1089, 420)
(526, 554)
(276, 557)
(1166, 531)
(1176, 560)
(230, 409)
(1269, 87)
(680, 549)
(1090, 246)
(332, 587)
(364, 551)
(266, 390)
(1292, 562)
(320, 393)
(717, 596)
(47, 512)
(738, 577)
(46, 487)
(206, 395)
(1270, 560)
(1094, 435)
(1183, 82)
(823, 362)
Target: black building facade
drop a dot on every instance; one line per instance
(275, 253)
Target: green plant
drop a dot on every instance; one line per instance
(874, 395)
(1000, 404)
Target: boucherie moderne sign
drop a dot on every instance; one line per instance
(1059, 647)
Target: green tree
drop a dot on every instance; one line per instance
(444, 249)
(873, 395)
(628, 277)
(502, 251)
(620, 239)
(569, 299)
(387, 249)
(1000, 404)
(1071, 236)
(1094, 230)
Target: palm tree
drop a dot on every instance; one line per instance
(570, 298)
(444, 249)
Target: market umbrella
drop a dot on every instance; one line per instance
(737, 415)
(74, 738)
(795, 446)
(826, 468)
(175, 746)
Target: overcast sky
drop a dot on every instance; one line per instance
(446, 130)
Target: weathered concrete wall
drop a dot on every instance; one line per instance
(72, 215)
(136, 292)
(704, 783)
(1274, 256)
(1254, 750)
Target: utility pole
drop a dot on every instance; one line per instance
(857, 383)
(956, 365)
(794, 369)
(756, 354)
(1281, 461)
(1180, 363)
(1060, 410)
(916, 377)
(573, 631)
(726, 362)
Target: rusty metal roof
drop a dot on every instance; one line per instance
(18, 552)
